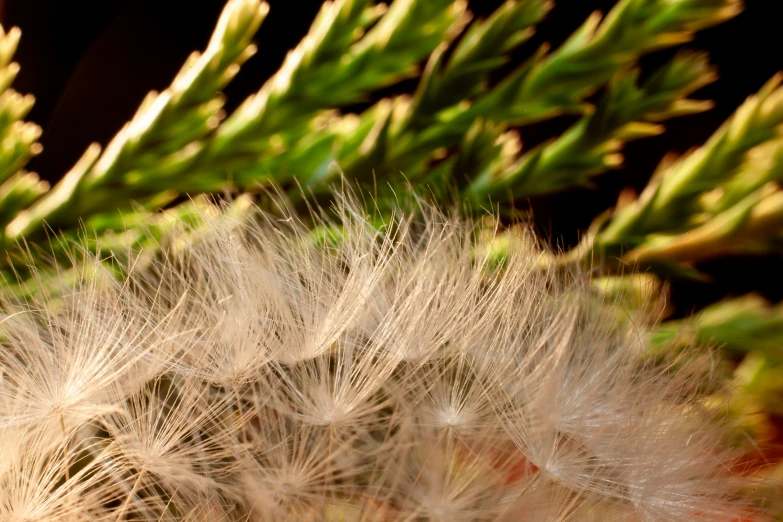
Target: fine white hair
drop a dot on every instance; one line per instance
(358, 370)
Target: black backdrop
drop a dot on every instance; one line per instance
(90, 62)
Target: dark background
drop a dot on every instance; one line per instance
(89, 64)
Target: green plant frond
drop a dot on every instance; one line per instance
(327, 70)
(288, 129)
(400, 134)
(558, 82)
(163, 138)
(18, 139)
(626, 112)
(707, 203)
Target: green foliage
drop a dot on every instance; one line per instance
(558, 82)
(741, 325)
(180, 140)
(747, 327)
(165, 135)
(626, 112)
(17, 137)
(719, 199)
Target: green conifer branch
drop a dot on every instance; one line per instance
(390, 146)
(18, 139)
(719, 199)
(748, 330)
(177, 143)
(592, 146)
(558, 82)
(328, 70)
(740, 325)
(406, 131)
(166, 131)
(174, 143)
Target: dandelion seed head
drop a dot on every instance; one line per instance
(251, 373)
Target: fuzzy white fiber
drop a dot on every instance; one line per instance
(395, 374)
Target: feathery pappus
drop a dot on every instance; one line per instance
(264, 372)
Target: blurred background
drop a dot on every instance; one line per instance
(90, 63)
